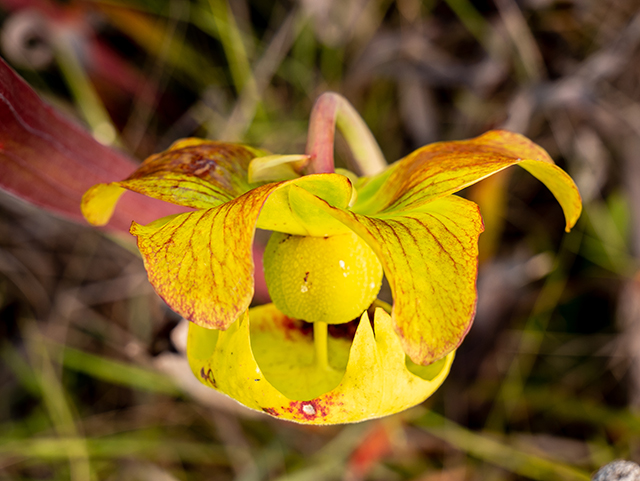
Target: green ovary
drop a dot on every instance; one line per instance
(321, 279)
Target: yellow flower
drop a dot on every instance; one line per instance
(334, 234)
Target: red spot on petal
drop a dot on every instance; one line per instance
(271, 411)
(289, 326)
(310, 410)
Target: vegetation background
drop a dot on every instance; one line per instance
(547, 384)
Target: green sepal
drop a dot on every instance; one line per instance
(274, 168)
(287, 211)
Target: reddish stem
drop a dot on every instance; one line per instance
(322, 128)
(331, 110)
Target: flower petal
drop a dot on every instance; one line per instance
(374, 382)
(430, 258)
(200, 262)
(273, 168)
(443, 168)
(192, 173)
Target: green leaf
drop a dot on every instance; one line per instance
(443, 168)
(263, 361)
(430, 260)
(192, 173)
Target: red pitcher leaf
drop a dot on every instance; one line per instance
(50, 161)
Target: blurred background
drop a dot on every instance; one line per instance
(547, 384)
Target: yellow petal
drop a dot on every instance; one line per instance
(200, 262)
(430, 258)
(192, 173)
(442, 168)
(99, 202)
(375, 380)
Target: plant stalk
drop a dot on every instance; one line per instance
(332, 109)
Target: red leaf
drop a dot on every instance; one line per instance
(50, 161)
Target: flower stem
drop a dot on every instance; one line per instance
(320, 330)
(332, 109)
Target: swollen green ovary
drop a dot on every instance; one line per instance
(321, 279)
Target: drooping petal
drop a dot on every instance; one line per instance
(430, 260)
(200, 262)
(443, 168)
(193, 173)
(250, 362)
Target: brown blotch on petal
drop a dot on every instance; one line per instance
(217, 162)
(207, 376)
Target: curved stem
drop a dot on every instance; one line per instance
(320, 343)
(322, 127)
(332, 109)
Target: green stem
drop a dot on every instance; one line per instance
(320, 330)
(332, 109)
(85, 95)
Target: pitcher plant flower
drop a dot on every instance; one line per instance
(334, 236)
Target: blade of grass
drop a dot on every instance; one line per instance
(86, 98)
(533, 333)
(116, 372)
(124, 446)
(570, 408)
(523, 40)
(150, 34)
(233, 45)
(473, 21)
(144, 106)
(57, 405)
(330, 462)
(499, 453)
(21, 368)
